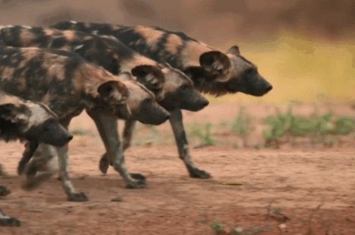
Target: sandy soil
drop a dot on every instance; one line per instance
(307, 191)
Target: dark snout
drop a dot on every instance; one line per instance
(195, 103)
(55, 134)
(200, 104)
(62, 137)
(259, 86)
(69, 138)
(268, 87)
(188, 98)
(153, 114)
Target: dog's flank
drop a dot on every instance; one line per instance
(105, 51)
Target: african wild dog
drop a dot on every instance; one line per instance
(174, 92)
(211, 70)
(25, 120)
(68, 84)
(31, 121)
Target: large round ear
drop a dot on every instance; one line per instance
(15, 113)
(215, 62)
(234, 50)
(150, 76)
(113, 92)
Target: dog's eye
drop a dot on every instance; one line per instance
(250, 71)
(185, 86)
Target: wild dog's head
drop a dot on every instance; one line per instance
(141, 103)
(220, 73)
(31, 121)
(179, 91)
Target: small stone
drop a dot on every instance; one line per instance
(238, 230)
(283, 227)
(117, 199)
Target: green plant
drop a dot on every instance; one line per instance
(242, 125)
(79, 132)
(344, 126)
(203, 132)
(287, 127)
(276, 210)
(215, 225)
(223, 124)
(278, 124)
(145, 135)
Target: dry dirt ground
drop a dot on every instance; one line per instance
(306, 191)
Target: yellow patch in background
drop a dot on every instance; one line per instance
(301, 70)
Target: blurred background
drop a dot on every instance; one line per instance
(305, 48)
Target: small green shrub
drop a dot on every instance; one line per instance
(203, 133)
(287, 126)
(216, 226)
(242, 125)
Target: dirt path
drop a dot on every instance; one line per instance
(294, 182)
(315, 189)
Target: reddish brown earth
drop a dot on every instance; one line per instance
(313, 188)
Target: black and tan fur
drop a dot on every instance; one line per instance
(178, 94)
(211, 70)
(27, 121)
(175, 91)
(105, 51)
(31, 121)
(68, 84)
(115, 57)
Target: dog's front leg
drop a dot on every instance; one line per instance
(108, 130)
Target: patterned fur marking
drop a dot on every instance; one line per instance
(176, 92)
(105, 51)
(211, 71)
(66, 84)
(26, 120)
(86, 86)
